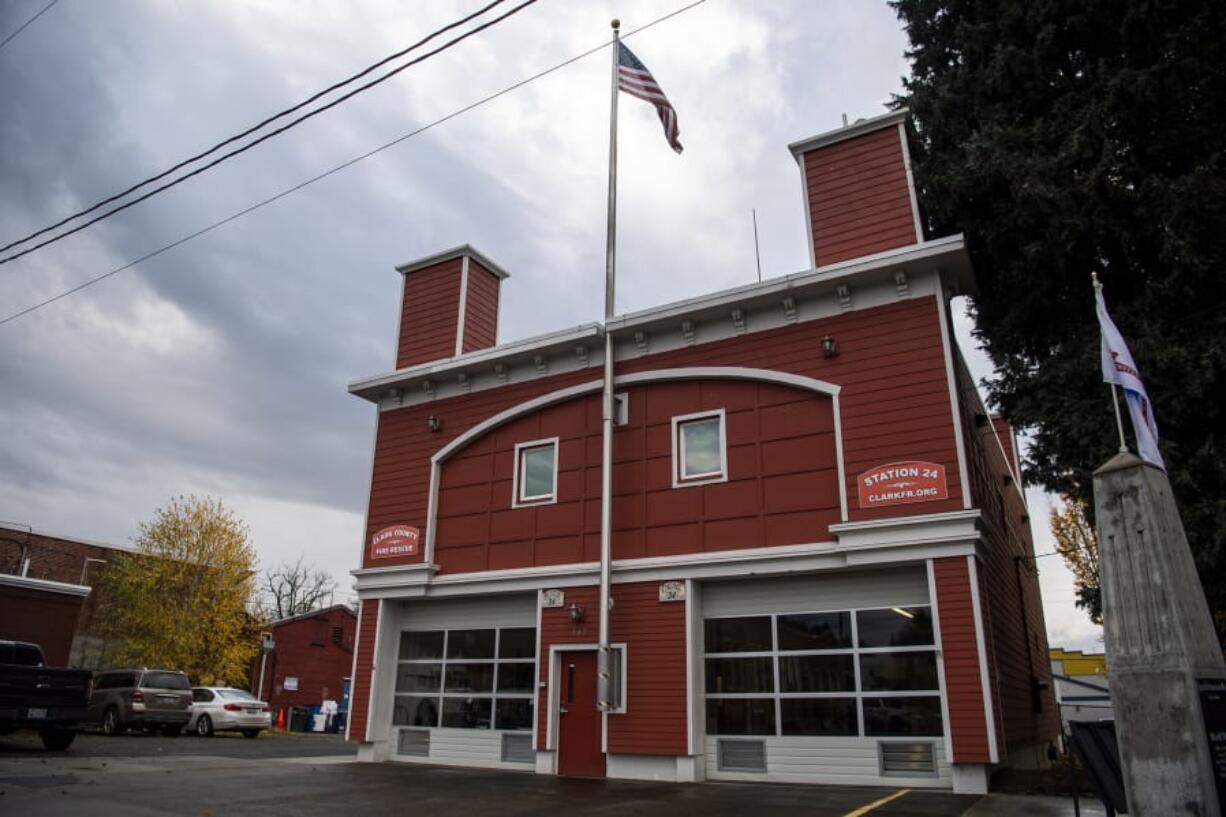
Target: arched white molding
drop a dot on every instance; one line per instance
(654, 376)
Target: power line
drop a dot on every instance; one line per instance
(294, 123)
(290, 190)
(253, 129)
(46, 8)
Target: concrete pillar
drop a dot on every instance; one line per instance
(1160, 639)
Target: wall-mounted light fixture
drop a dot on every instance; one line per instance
(433, 423)
(830, 347)
(576, 613)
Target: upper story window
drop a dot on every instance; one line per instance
(536, 473)
(700, 449)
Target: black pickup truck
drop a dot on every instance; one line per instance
(48, 700)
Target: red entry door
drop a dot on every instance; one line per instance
(579, 752)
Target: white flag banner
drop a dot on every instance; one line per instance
(1120, 369)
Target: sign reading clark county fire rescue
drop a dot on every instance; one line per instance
(397, 540)
(901, 482)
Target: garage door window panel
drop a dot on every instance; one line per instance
(466, 679)
(870, 672)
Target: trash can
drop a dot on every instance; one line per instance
(298, 720)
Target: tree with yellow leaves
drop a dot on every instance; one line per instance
(1077, 542)
(180, 601)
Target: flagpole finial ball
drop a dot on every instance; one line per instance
(616, 23)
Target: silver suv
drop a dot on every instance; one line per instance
(144, 698)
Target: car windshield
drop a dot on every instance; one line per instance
(236, 694)
(165, 680)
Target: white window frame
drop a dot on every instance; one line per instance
(621, 408)
(518, 501)
(679, 479)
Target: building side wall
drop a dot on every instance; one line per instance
(782, 485)
(429, 314)
(894, 406)
(46, 619)
(654, 722)
(968, 725)
(359, 695)
(481, 308)
(70, 561)
(858, 198)
(1012, 605)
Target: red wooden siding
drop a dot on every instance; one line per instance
(430, 314)
(654, 722)
(1013, 608)
(359, 692)
(481, 309)
(968, 730)
(858, 197)
(894, 402)
(557, 628)
(782, 486)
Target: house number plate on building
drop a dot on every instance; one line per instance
(899, 483)
(394, 541)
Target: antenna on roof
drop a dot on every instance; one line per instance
(757, 256)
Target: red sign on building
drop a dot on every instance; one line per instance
(901, 482)
(397, 540)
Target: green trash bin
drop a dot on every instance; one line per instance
(298, 719)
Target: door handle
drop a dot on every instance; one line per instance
(563, 710)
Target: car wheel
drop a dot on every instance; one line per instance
(57, 740)
(251, 733)
(171, 730)
(111, 725)
(204, 726)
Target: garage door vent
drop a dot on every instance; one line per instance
(907, 759)
(518, 749)
(414, 742)
(742, 756)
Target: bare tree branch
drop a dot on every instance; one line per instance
(288, 590)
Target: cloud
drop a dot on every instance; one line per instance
(220, 367)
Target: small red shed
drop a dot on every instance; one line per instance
(310, 659)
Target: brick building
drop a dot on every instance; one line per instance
(51, 593)
(822, 566)
(311, 659)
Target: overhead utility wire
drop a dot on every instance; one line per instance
(290, 190)
(250, 130)
(226, 156)
(46, 8)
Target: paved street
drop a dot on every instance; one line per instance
(315, 775)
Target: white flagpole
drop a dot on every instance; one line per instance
(1115, 389)
(603, 686)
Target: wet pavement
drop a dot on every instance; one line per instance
(316, 775)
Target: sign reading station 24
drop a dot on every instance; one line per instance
(901, 482)
(394, 541)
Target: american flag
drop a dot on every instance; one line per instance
(634, 78)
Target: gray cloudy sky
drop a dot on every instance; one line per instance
(220, 367)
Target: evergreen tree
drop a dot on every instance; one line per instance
(1070, 136)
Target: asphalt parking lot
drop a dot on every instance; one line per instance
(315, 775)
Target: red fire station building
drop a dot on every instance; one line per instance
(822, 567)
